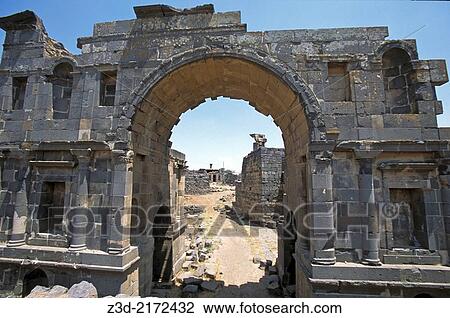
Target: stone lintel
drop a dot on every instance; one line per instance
(395, 165)
(53, 163)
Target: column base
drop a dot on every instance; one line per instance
(324, 257)
(324, 261)
(371, 258)
(77, 248)
(14, 243)
(371, 262)
(118, 250)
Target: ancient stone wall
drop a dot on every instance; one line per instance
(258, 194)
(197, 182)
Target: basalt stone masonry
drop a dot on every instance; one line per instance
(259, 194)
(84, 138)
(197, 182)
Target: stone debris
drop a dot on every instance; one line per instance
(197, 182)
(57, 291)
(200, 271)
(198, 242)
(210, 285)
(272, 270)
(186, 265)
(262, 264)
(193, 210)
(190, 252)
(273, 282)
(202, 257)
(190, 289)
(211, 271)
(82, 290)
(208, 243)
(192, 280)
(39, 292)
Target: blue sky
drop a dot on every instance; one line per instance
(195, 135)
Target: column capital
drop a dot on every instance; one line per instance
(123, 156)
(323, 156)
(82, 154)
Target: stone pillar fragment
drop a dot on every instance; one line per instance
(321, 212)
(119, 234)
(20, 200)
(371, 234)
(79, 214)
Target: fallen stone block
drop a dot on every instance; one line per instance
(82, 290)
(273, 282)
(198, 241)
(202, 257)
(186, 265)
(262, 264)
(58, 291)
(190, 289)
(211, 271)
(190, 252)
(272, 270)
(209, 285)
(38, 292)
(199, 271)
(191, 258)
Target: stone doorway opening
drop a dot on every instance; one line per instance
(165, 97)
(225, 247)
(36, 277)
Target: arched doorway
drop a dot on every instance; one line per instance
(36, 277)
(182, 84)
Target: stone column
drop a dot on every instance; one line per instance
(20, 200)
(445, 190)
(119, 235)
(371, 238)
(79, 214)
(321, 210)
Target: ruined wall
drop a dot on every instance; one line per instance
(197, 182)
(260, 187)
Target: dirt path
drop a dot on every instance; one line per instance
(235, 246)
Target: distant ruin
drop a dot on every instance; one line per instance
(259, 194)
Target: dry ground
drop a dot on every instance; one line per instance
(235, 246)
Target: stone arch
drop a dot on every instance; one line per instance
(396, 69)
(307, 99)
(32, 279)
(183, 83)
(62, 84)
(65, 59)
(396, 44)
